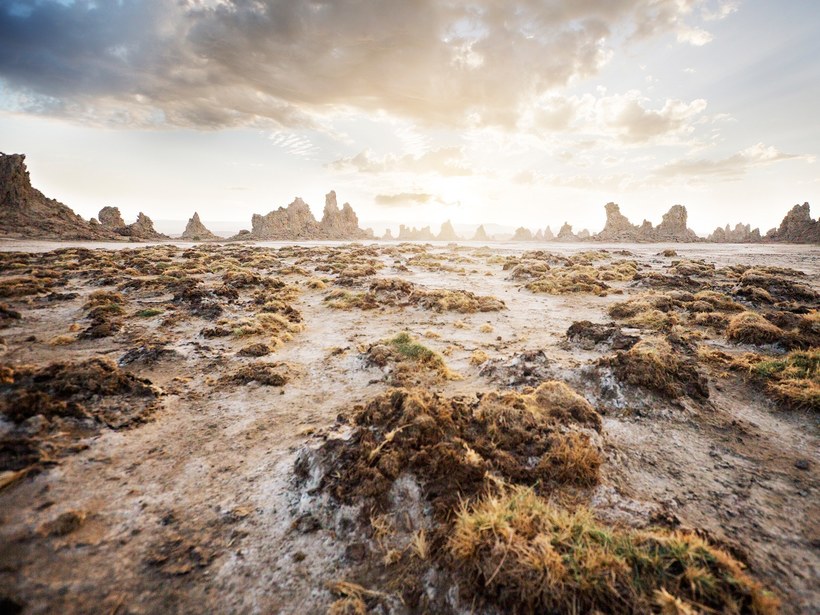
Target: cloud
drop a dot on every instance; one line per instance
(295, 144)
(694, 36)
(446, 161)
(404, 198)
(729, 168)
(625, 117)
(216, 63)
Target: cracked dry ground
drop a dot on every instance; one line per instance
(156, 399)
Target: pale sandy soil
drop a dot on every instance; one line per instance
(209, 477)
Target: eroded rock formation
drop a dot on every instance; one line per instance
(142, 230)
(548, 234)
(742, 233)
(797, 227)
(673, 227)
(296, 222)
(522, 234)
(413, 234)
(481, 234)
(25, 212)
(566, 234)
(340, 224)
(447, 232)
(110, 218)
(617, 226)
(196, 231)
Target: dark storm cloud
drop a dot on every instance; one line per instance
(217, 63)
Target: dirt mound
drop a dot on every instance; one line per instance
(588, 335)
(266, 374)
(528, 368)
(53, 406)
(407, 362)
(521, 553)
(397, 292)
(450, 444)
(752, 328)
(95, 389)
(663, 365)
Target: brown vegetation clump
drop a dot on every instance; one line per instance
(24, 286)
(574, 279)
(94, 389)
(104, 310)
(400, 293)
(520, 553)
(650, 311)
(266, 374)
(452, 446)
(793, 379)
(658, 365)
(276, 327)
(461, 301)
(408, 362)
(752, 328)
(7, 315)
(777, 284)
(347, 300)
(588, 335)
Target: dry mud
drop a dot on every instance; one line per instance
(177, 420)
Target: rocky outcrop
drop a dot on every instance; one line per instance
(742, 233)
(110, 218)
(447, 232)
(388, 235)
(286, 223)
(26, 213)
(141, 230)
(673, 227)
(584, 234)
(797, 227)
(196, 231)
(617, 226)
(413, 234)
(481, 234)
(566, 234)
(548, 234)
(296, 222)
(522, 234)
(340, 224)
(539, 235)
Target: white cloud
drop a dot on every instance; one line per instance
(729, 168)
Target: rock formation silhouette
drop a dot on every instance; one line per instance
(481, 234)
(797, 227)
(522, 234)
(25, 212)
(566, 234)
(413, 234)
(296, 222)
(142, 230)
(742, 233)
(196, 231)
(673, 227)
(447, 232)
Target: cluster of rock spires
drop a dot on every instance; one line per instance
(26, 213)
(110, 219)
(296, 222)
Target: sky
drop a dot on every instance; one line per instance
(528, 113)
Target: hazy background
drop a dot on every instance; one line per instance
(526, 113)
